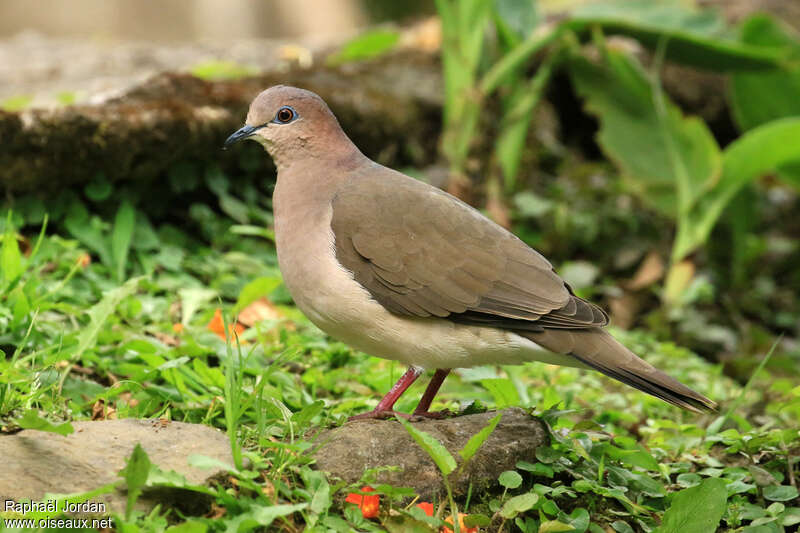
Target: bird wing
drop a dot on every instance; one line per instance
(422, 252)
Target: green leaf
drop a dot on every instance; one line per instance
(222, 70)
(124, 224)
(256, 289)
(554, 526)
(88, 231)
(503, 391)
(756, 153)
(519, 504)
(191, 300)
(435, 450)
(99, 313)
(758, 98)
(780, 493)
(696, 509)
(367, 46)
(32, 420)
(510, 479)
(261, 516)
(12, 258)
(135, 473)
(668, 160)
(190, 526)
(477, 440)
(639, 457)
(698, 38)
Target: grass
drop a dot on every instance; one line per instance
(75, 338)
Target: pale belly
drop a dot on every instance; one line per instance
(330, 297)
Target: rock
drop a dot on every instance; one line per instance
(349, 450)
(36, 462)
(390, 107)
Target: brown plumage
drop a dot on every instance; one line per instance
(382, 261)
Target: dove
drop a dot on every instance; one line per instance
(402, 270)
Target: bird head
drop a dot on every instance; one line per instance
(288, 121)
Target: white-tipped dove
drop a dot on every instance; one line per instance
(402, 270)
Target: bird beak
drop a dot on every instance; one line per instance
(242, 133)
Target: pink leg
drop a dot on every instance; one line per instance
(384, 407)
(427, 398)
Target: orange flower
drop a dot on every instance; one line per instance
(177, 327)
(84, 260)
(427, 508)
(368, 503)
(217, 326)
(461, 526)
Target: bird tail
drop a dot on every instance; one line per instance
(597, 349)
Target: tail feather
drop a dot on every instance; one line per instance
(597, 349)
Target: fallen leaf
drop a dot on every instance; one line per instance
(218, 326)
(169, 340)
(261, 309)
(650, 271)
(101, 411)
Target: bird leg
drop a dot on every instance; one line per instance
(384, 407)
(427, 397)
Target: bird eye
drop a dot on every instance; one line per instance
(284, 115)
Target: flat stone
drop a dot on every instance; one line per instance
(348, 451)
(36, 463)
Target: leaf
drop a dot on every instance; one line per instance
(757, 152)
(668, 160)
(519, 504)
(191, 300)
(135, 473)
(476, 441)
(758, 98)
(222, 70)
(124, 224)
(32, 420)
(435, 450)
(99, 313)
(780, 493)
(554, 526)
(255, 289)
(190, 526)
(367, 46)
(503, 391)
(261, 516)
(12, 258)
(519, 16)
(696, 509)
(698, 38)
(510, 479)
(88, 232)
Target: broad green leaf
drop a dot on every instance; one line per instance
(135, 473)
(638, 457)
(668, 160)
(503, 391)
(510, 479)
(367, 46)
(757, 152)
(256, 289)
(124, 224)
(696, 509)
(519, 504)
(435, 450)
(780, 493)
(554, 526)
(32, 420)
(758, 98)
(698, 38)
(89, 231)
(518, 16)
(477, 440)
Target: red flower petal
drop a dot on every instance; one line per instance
(427, 508)
(368, 503)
